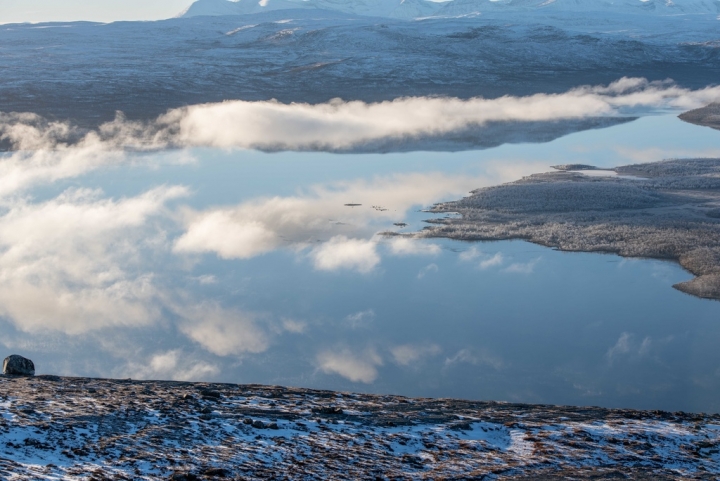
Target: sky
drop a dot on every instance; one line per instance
(15, 11)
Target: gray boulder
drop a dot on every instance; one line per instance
(18, 366)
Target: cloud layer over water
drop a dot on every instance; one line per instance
(342, 125)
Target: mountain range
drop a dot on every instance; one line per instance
(410, 9)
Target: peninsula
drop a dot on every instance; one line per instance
(661, 210)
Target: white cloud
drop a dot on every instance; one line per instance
(487, 261)
(171, 365)
(470, 254)
(223, 332)
(54, 150)
(228, 235)
(206, 279)
(355, 367)
(342, 125)
(493, 261)
(522, 267)
(627, 345)
(475, 357)
(404, 246)
(73, 263)
(360, 319)
(645, 346)
(343, 253)
(50, 151)
(408, 354)
(427, 270)
(261, 225)
(293, 325)
(622, 346)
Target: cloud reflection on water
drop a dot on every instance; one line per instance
(83, 262)
(298, 288)
(299, 222)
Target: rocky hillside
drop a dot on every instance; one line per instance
(54, 428)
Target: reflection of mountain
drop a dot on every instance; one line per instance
(87, 71)
(489, 135)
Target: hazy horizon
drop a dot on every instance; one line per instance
(40, 11)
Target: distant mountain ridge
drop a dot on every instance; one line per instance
(377, 8)
(409, 9)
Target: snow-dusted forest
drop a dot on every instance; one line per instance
(664, 210)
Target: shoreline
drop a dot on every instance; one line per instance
(673, 213)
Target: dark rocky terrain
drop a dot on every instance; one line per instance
(54, 428)
(663, 210)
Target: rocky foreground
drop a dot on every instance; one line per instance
(54, 428)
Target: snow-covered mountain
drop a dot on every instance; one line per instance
(242, 7)
(425, 8)
(380, 8)
(376, 8)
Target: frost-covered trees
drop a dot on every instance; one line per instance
(671, 213)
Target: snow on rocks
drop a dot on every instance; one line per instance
(76, 428)
(16, 365)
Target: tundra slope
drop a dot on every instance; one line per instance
(54, 428)
(671, 211)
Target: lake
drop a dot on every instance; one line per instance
(270, 268)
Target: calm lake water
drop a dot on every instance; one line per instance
(260, 272)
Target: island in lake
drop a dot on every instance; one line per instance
(663, 210)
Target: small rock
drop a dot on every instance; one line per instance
(327, 410)
(183, 477)
(216, 472)
(464, 426)
(258, 424)
(18, 366)
(210, 395)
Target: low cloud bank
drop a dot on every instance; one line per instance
(51, 150)
(338, 124)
